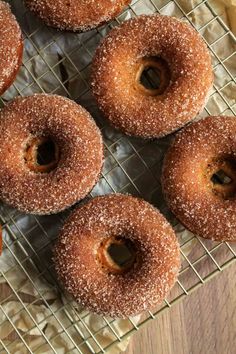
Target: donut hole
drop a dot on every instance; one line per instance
(150, 78)
(153, 76)
(223, 177)
(46, 152)
(117, 255)
(41, 154)
(220, 177)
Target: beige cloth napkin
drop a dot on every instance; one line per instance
(227, 10)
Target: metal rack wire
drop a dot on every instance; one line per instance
(134, 169)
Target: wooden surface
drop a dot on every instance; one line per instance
(203, 323)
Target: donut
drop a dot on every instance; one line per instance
(117, 256)
(51, 153)
(11, 47)
(182, 65)
(199, 178)
(75, 16)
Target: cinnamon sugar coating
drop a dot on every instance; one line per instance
(80, 145)
(117, 294)
(204, 205)
(117, 63)
(74, 15)
(11, 47)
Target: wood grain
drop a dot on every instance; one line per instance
(203, 323)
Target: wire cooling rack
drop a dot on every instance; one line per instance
(56, 62)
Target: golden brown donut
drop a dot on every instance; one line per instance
(11, 47)
(74, 15)
(30, 128)
(193, 173)
(87, 270)
(179, 56)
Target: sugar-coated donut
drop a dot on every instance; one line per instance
(66, 131)
(74, 15)
(199, 178)
(11, 47)
(170, 47)
(87, 270)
